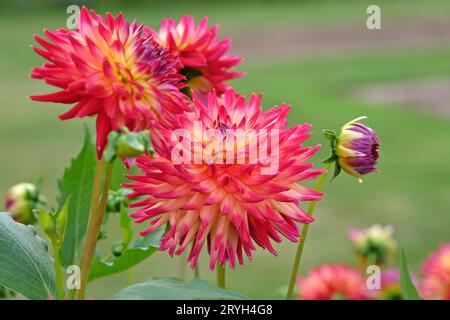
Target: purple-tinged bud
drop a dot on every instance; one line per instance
(21, 200)
(357, 149)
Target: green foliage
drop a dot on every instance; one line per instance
(125, 144)
(77, 183)
(25, 265)
(409, 291)
(140, 250)
(175, 289)
(55, 223)
(332, 137)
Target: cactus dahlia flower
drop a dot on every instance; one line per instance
(110, 69)
(436, 270)
(333, 282)
(375, 243)
(224, 198)
(202, 57)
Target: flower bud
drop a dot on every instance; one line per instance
(373, 245)
(116, 199)
(21, 200)
(357, 149)
(125, 144)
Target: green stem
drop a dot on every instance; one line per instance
(59, 275)
(95, 222)
(220, 276)
(197, 272)
(301, 244)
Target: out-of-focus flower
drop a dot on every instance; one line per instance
(110, 69)
(220, 195)
(203, 58)
(333, 282)
(357, 148)
(436, 271)
(373, 245)
(390, 286)
(21, 200)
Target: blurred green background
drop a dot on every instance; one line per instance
(318, 56)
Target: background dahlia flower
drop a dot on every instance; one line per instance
(228, 206)
(333, 282)
(390, 285)
(436, 271)
(374, 244)
(110, 69)
(203, 58)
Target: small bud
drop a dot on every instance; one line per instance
(357, 149)
(373, 245)
(116, 198)
(21, 200)
(125, 144)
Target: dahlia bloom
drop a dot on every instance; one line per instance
(436, 270)
(376, 242)
(390, 286)
(21, 200)
(333, 282)
(222, 197)
(202, 56)
(110, 69)
(357, 148)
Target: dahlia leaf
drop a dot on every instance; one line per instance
(141, 249)
(118, 174)
(77, 183)
(25, 266)
(174, 289)
(409, 291)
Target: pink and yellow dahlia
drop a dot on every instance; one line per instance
(436, 271)
(390, 286)
(333, 282)
(110, 69)
(222, 196)
(203, 58)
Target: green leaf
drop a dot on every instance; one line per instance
(330, 135)
(175, 289)
(77, 183)
(125, 225)
(118, 174)
(25, 265)
(61, 219)
(140, 250)
(337, 170)
(409, 291)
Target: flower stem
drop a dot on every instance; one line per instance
(301, 244)
(196, 272)
(220, 276)
(59, 275)
(95, 222)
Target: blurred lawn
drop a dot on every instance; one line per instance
(412, 190)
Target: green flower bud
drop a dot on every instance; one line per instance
(125, 144)
(21, 200)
